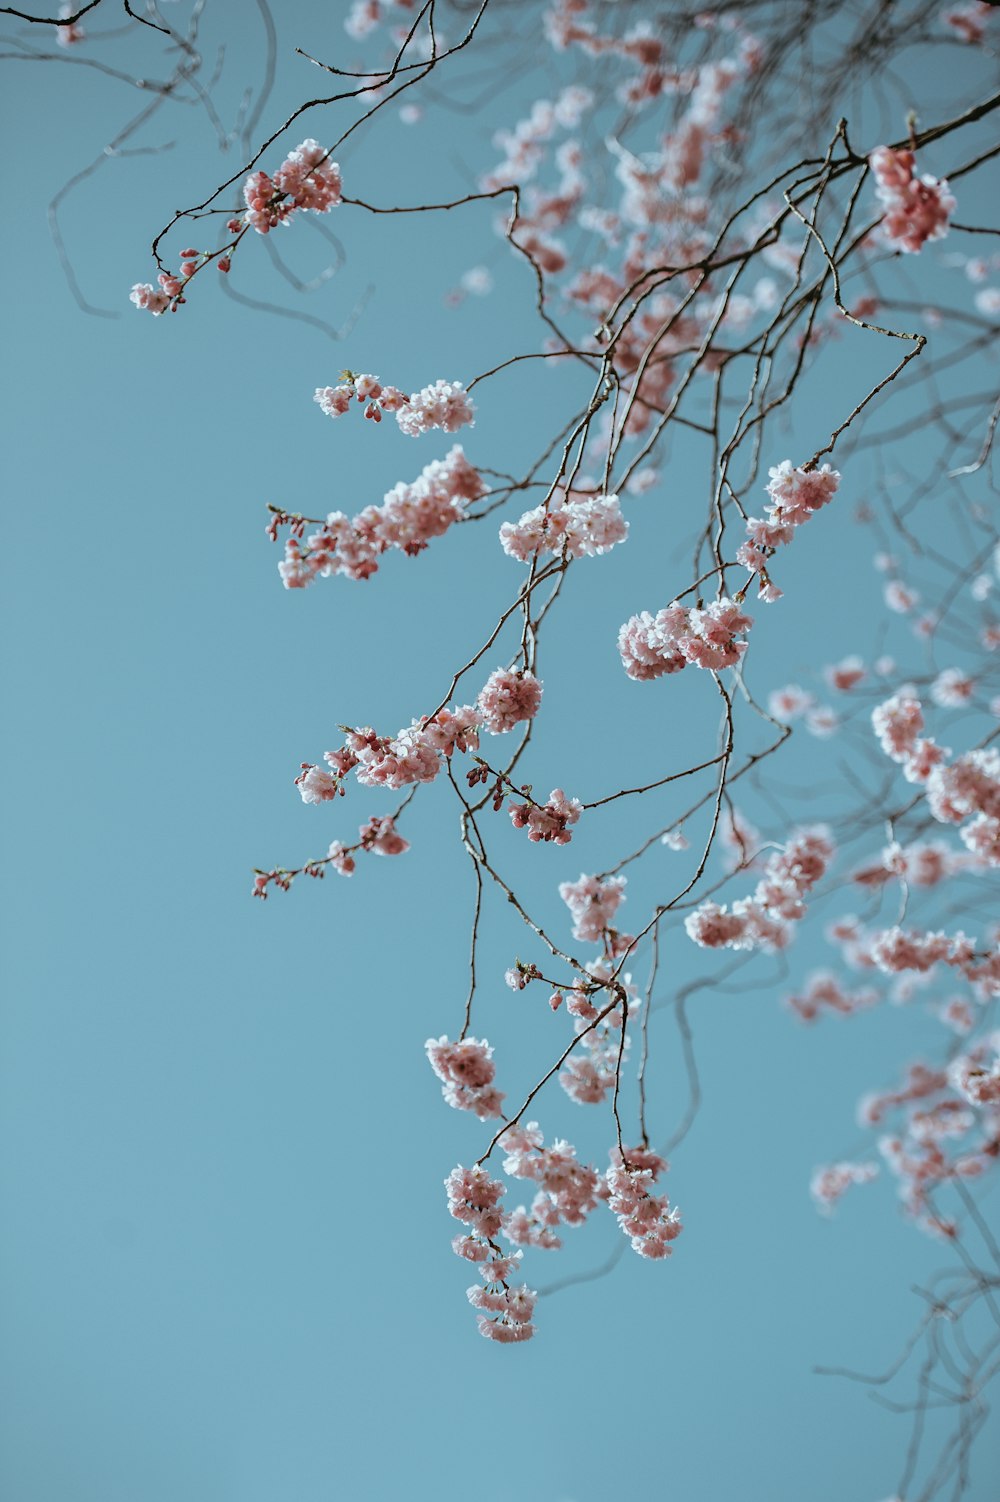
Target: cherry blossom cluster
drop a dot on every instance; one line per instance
(647, 1219)
(507, 698)
(795, 495)
(824, 995)
(593, 902)
(444, 404)
(965, 791)
(466, 1071)
(969, 22)
(677, 636)
(916, 209)
(550, 821)
(581, 527)
(764, 920)
(915, 952)
(409, 517)
(939, 1107)
(590, 1073)
(505, 1312)
(830, 1183)
(567, 1190)
(306, 179)
(366, 389)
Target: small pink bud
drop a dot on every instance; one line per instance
(224, 264)
(187, 255)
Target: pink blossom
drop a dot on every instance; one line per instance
(651, 646)
(507, 698)
(952, 688)
(825, 995)
(467, 1071)
(796, 494)
(917, 209)
(582, 527)
(474, 1198)
(978, 1083)
(844, 675)
(593, 902)
(550, 821)
(315, 785)
(445, 404)
(897, 723)
(341, 860)
(410, 516)
(306, 179)
(147, 297)
(381, 837)
(829, 1184)
(646, 1218)
(969, 21)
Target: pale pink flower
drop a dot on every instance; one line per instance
(582, 527)
(148, 298)
(844, 675)
(899, 597)
(507, 698)
(830, 1183)
(315, 785)
(646, 1218)
(445, 405)
(917, 209)
(550, 821)
(795, 494)
(466, 1071)
(952, 688)
(593, 902)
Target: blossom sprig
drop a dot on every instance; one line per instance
(443, 404)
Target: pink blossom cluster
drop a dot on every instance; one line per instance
(580, 528)
(916, 209)
(824, 996)
(505, 1312)
(366, 389)
(763, 920)
(445, 405)
(923, 863)
(794, 496)
(897, 723)
(567, 1190)
(507, 698)
(412, 756)
(829, 1184)
(650, 646)
(466, 1071)
(939, 1106)
(549, 821)
(975, 1079)
(969, 788)
(793, 703)
(589, 1074)
(169, 292)
(646, 1218)
(969, 22)
(897, 951)
(379, 837)
(593, 902)
(306, 179)
(408, 518)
